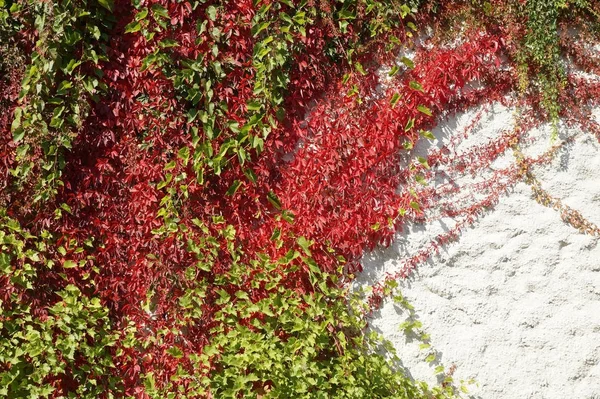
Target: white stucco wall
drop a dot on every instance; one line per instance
(515, 302)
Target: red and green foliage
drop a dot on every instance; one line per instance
(188, 186)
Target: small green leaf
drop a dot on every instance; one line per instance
(234, 187)
(423, 161)
(175, 352)
(242, 295)
(133, 27)
(166, 43)
(425, 110)
(254, 106)
(276, 234)
(250, 175)
(22, 150)
(415, 85)
(305, 245)
(211, 11)
(66, 207)
(18, 134)
(408, 62)
(360, 68)
(69, 264)
(395, 99)
(274, 200)
(259, 28)
(184, 155)
(72, 65)
(427, 134)
(108, 4)
(170, 165)
(63, 88)
(141, 15)
(404, 10)
(160, 11)
(287, 216)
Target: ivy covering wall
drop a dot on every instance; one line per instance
(187, 187)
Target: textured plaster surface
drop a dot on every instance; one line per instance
(515, 302)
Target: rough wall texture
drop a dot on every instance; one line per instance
(515, 303)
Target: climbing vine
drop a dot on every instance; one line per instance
(188, 186)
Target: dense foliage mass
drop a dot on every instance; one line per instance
(188, 186)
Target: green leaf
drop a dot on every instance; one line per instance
(22, 150)
(404, 10)
(170, 165)
(254, 106)
(395, 99)
(250, 175)
(175, 352)
(184, 155)
(133, 27)
(69, 264)
(234, 187)
(408, 62)
(305, 245)
(259, 28)
(64, 87)
(211, 11)
(360, 68)
(423, 161)
(425, 110)
(415, 205)
(148, 61)
(72, 65)
(141, 15)
(166, 43)
(18, 134)
(16, 123)
(274, 200)
(409, 125)
(415, 85)
(160, 11)
(108, 4)
(276, 234)
(242, 295)
(427, 134)
(287, 216)
(66, 207)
